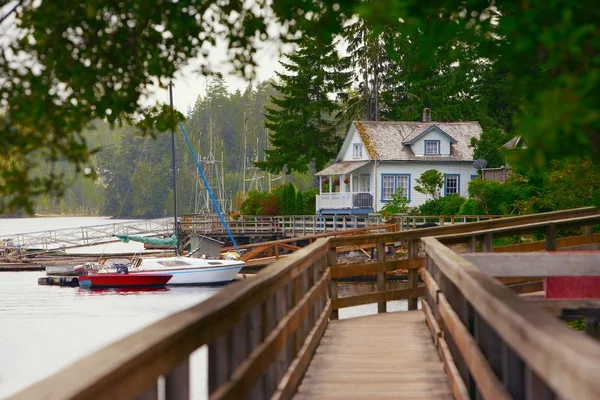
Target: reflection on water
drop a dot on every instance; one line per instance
(46, 328)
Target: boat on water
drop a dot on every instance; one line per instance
(191, 271)
(136, 280)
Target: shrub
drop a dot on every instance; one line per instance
(447, 205)
(470, 207)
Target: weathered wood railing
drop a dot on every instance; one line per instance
(261, 332)
(302, 225)
(495, 344)
(482, 231)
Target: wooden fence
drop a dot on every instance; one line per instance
(261, 332)
(305, 225)
(494, 343)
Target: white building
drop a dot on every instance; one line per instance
(378, 158)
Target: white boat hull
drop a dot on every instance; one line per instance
(197, 272)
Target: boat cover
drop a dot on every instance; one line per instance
(171, 241)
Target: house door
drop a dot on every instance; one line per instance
(355, 184)
(365, 183)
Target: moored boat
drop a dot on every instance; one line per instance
(191, 271)
(137, 280)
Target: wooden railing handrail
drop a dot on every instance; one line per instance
(566, 360)
(127, 367)
(524, 229)
(466, 228)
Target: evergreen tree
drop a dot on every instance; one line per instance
(304, 121)
(367, 50)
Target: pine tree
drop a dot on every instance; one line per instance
(367, 50)
(304, 122)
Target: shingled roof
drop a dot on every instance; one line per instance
(385, 140)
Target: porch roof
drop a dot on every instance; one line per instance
(342, 168)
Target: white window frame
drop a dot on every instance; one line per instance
(455, 189)
(390, 183)
(357, 151)
(436, 148)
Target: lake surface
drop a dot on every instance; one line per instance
(46, 328)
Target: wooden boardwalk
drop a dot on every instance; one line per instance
(381, 356)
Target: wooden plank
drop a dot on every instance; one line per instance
(551, 237)
(177, 382)
(413, 276)
(478, 227)
(376, 297)
(487, 382)
(555, 306)
(381, 305)
(431, 285)
(434, 328)
(291, 379)
(563, 358)
(459, 389)
(538, 264)
(360, 358)
(528, 287)
(257, 363)
(343, 271)
(332, 285)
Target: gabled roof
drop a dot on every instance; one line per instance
(384, 141)
(514, 143)
(342, 168)
(416, 135)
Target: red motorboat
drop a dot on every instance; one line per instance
(134, 280)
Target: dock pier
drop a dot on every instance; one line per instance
(465, 334)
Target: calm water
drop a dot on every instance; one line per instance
(45, 328)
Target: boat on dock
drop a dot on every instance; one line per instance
(136, 280)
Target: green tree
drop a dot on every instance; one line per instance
(397, 205)
(96, 60)
(488, 147)
(430, 183)
(303, 123)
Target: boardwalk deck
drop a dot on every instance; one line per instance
(376, 357)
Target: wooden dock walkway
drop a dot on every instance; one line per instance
(384, 356)
(278, 335)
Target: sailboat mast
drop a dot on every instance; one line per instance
(174, 174)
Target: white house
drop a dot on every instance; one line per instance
(378, 158)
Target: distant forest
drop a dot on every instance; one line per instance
(283, 130)
(134, 176)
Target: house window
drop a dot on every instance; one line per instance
(432, 147)
(357, 150)
(452, 185)
(365, 183)
(392, 183)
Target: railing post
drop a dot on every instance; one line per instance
(332, 285)
(177, 382)
(381, 305)
(471, 244)
(487, 244)
(413, 275)
(551, 237)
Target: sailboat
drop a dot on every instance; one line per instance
(187, 270)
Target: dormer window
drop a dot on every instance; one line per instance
(432, 147)
(357, 150)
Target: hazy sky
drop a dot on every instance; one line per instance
(190, 83)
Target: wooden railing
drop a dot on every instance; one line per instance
(495, 344)
(261, 332)
(303, 225)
